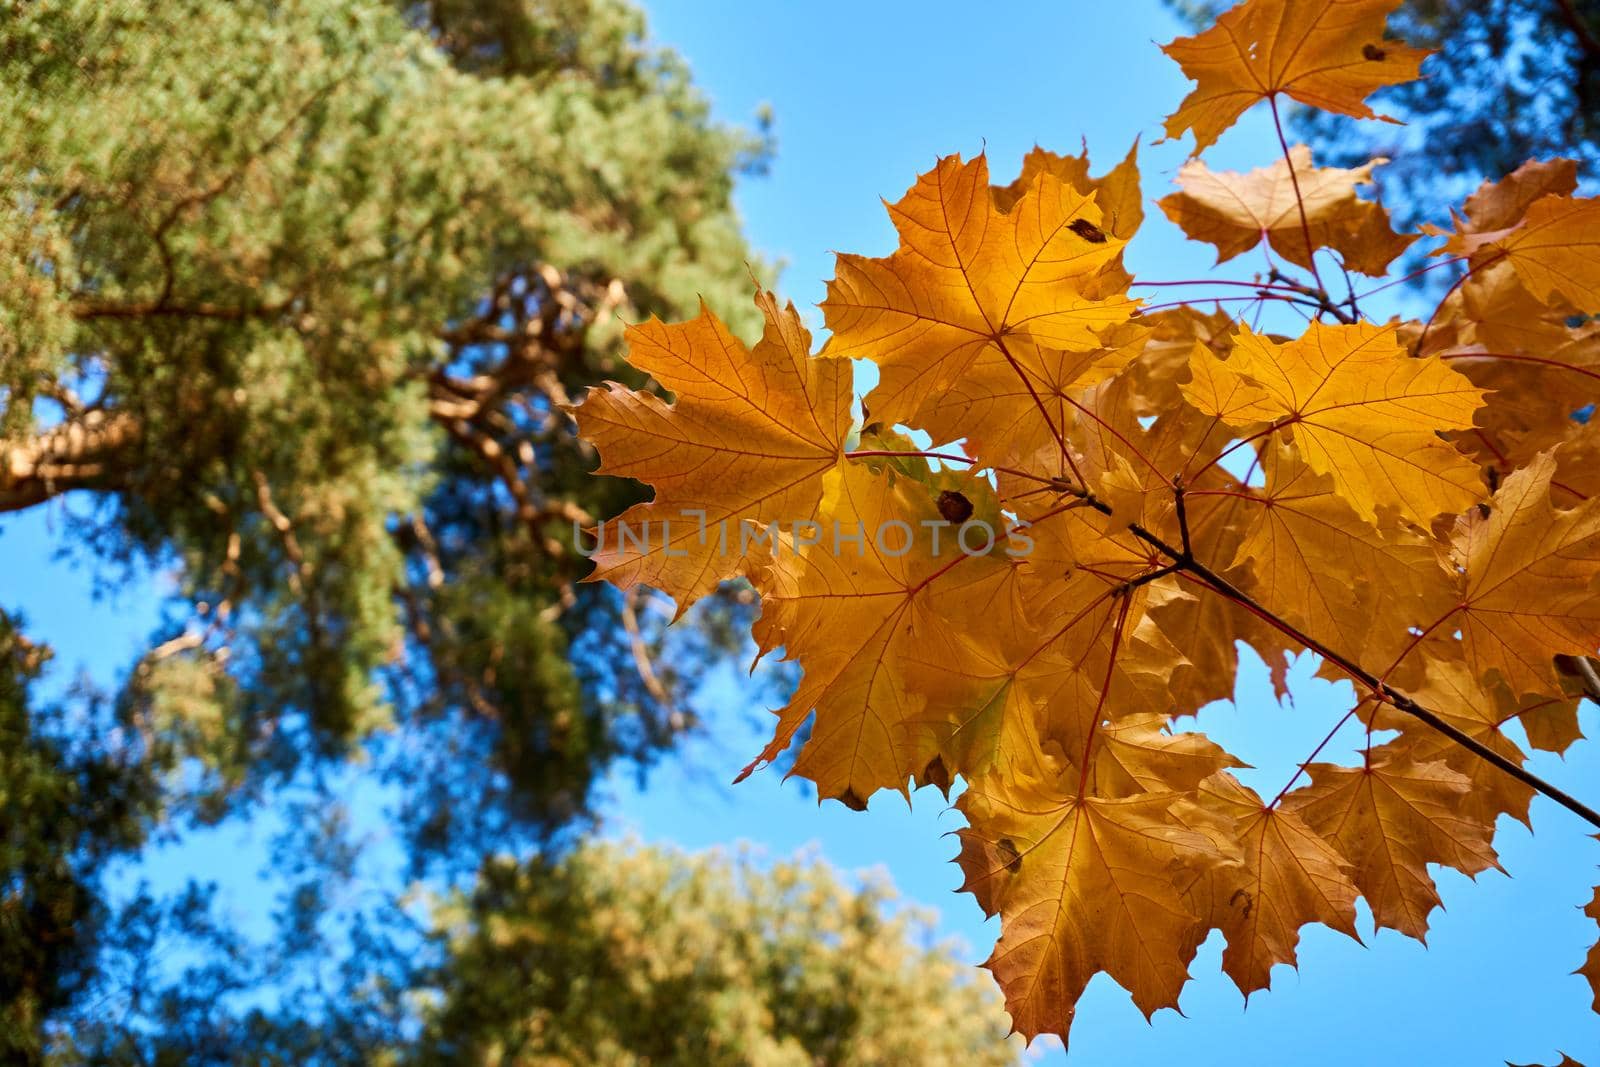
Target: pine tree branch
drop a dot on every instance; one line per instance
(76, 454)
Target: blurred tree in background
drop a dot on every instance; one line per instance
(290, 296)
(291, 299)
(704, 961)
(1513, 80)
(625, 955)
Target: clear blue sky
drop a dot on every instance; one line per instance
(866, 96)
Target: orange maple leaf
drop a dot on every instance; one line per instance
(1330, 54)
(1359, 410)
(1527, 584)
(1542, 370)
(1481, 713)
(852, 607)
(1308, 552)
(1498, 206)
(749, 438)
(969, 278)
(1082, 885)
(1116, 193)
(1390, 819)
(1556, 251)
(1235, 212)
(1289, 876)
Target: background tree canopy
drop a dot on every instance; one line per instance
(299, 297)
(293, 295)
(621, 955)
(745, 966)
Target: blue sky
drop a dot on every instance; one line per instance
(866, 96)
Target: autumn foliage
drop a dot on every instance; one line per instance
(1415, 502)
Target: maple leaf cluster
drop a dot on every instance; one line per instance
(1415, 502)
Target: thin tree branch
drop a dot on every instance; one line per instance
(1586, 36)
(1299, 201)
(1187, 565)
(76, 454)
(162, 307)
(642, 663)
(1395, 697)
(1316, 298)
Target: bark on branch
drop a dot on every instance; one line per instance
(78, 454)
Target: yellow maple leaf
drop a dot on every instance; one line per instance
(1556, 251)
(1551, 722)
(1540, 370)
(1549, 238)
(1093, 661)
(1082, 885)
(1481, 713)
(1498, 206)
(967, 278)
(1235, 212)
(1318, 563)
(1130, 459)
(1010, 406)
(851, 607)
(1503, 319)
(1116, 193)
(1155, 376)
(1330, 54)
(978, 701)
(1288, 877)
(1141, 754)
(1527, 584)
(1358, 409)
(1390, 819)
(749, 437)
(1208, 629)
